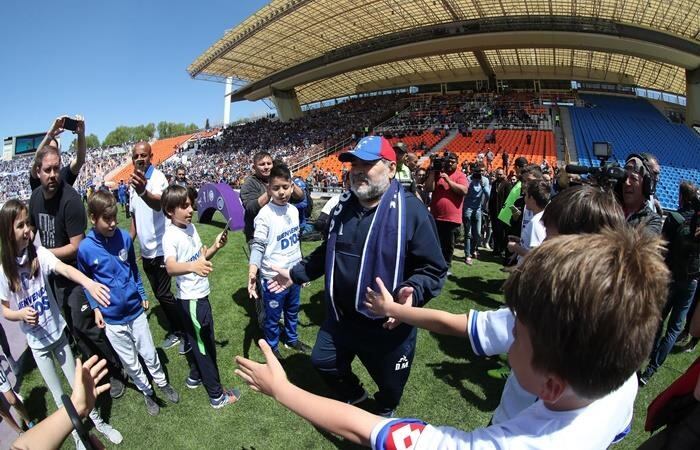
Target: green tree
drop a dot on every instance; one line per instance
(91, 140)
(123, 134)
(170, 129)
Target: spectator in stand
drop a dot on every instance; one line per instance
(69, 173)
(499, 192)
(489, 159)
(479, 189)
(448, 186)
(505, 158)
(634, 192)
(181, 177)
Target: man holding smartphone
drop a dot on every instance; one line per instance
(70, 172)
(148, 223)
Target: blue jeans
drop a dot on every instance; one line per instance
(472, 230)
(680, 296)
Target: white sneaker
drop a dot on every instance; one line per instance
(114, 436)
(78, 443)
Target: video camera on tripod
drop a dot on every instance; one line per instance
(607, 174)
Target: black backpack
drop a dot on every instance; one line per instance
(683, 256)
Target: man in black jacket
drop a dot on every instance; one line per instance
(385, 347)
(683, 259)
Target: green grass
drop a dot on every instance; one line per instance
(448, 384)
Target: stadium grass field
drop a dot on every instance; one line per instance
(448, 384)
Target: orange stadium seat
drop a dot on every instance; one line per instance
(512, 141)
(162, 150)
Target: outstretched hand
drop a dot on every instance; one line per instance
(99, 292)
(380, 303)
(85, 388)
(281, 281)
(267, 378)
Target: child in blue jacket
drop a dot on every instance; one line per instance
(107, 254)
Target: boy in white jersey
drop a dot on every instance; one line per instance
(276, 245)
(572, 347)
(189, 262)
(536, 198)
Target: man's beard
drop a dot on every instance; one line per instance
(369, 191)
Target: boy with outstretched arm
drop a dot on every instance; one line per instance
(107, 255)
(188, 261)
(572, 347)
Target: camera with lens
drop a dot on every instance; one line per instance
(440, 163)
(607, 174)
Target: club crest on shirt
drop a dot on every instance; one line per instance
(403, 435)
(123, 255)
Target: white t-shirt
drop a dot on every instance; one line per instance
(533, 231)
(491, 333)
(33, 292)
(278, 227)
(592, 427)
(184, 245)
(150, 224)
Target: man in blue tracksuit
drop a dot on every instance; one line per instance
(107, 256)
(376, 230)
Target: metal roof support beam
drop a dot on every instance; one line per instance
(483, 34)
(287, 104)
(692, 106)
(486, 67)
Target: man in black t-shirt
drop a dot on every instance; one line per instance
(56, 212)
(70, 172)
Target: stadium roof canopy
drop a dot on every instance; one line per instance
(331, 48)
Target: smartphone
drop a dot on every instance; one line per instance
(70, 124)
(140, 165)
(514, 209)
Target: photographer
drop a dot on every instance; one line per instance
(634, 192)
(449, 186)
(683, 259)
(479, 189)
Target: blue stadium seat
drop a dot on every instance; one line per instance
(635, 126)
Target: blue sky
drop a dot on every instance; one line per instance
(115, 62)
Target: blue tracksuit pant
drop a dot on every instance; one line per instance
(387, 356)
(287, 303)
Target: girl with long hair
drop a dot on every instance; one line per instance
(25, 298)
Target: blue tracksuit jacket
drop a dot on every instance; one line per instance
(112, 262)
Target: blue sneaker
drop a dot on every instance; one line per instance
(229, 397)
(192, 383)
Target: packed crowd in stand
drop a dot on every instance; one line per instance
(388, 248)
